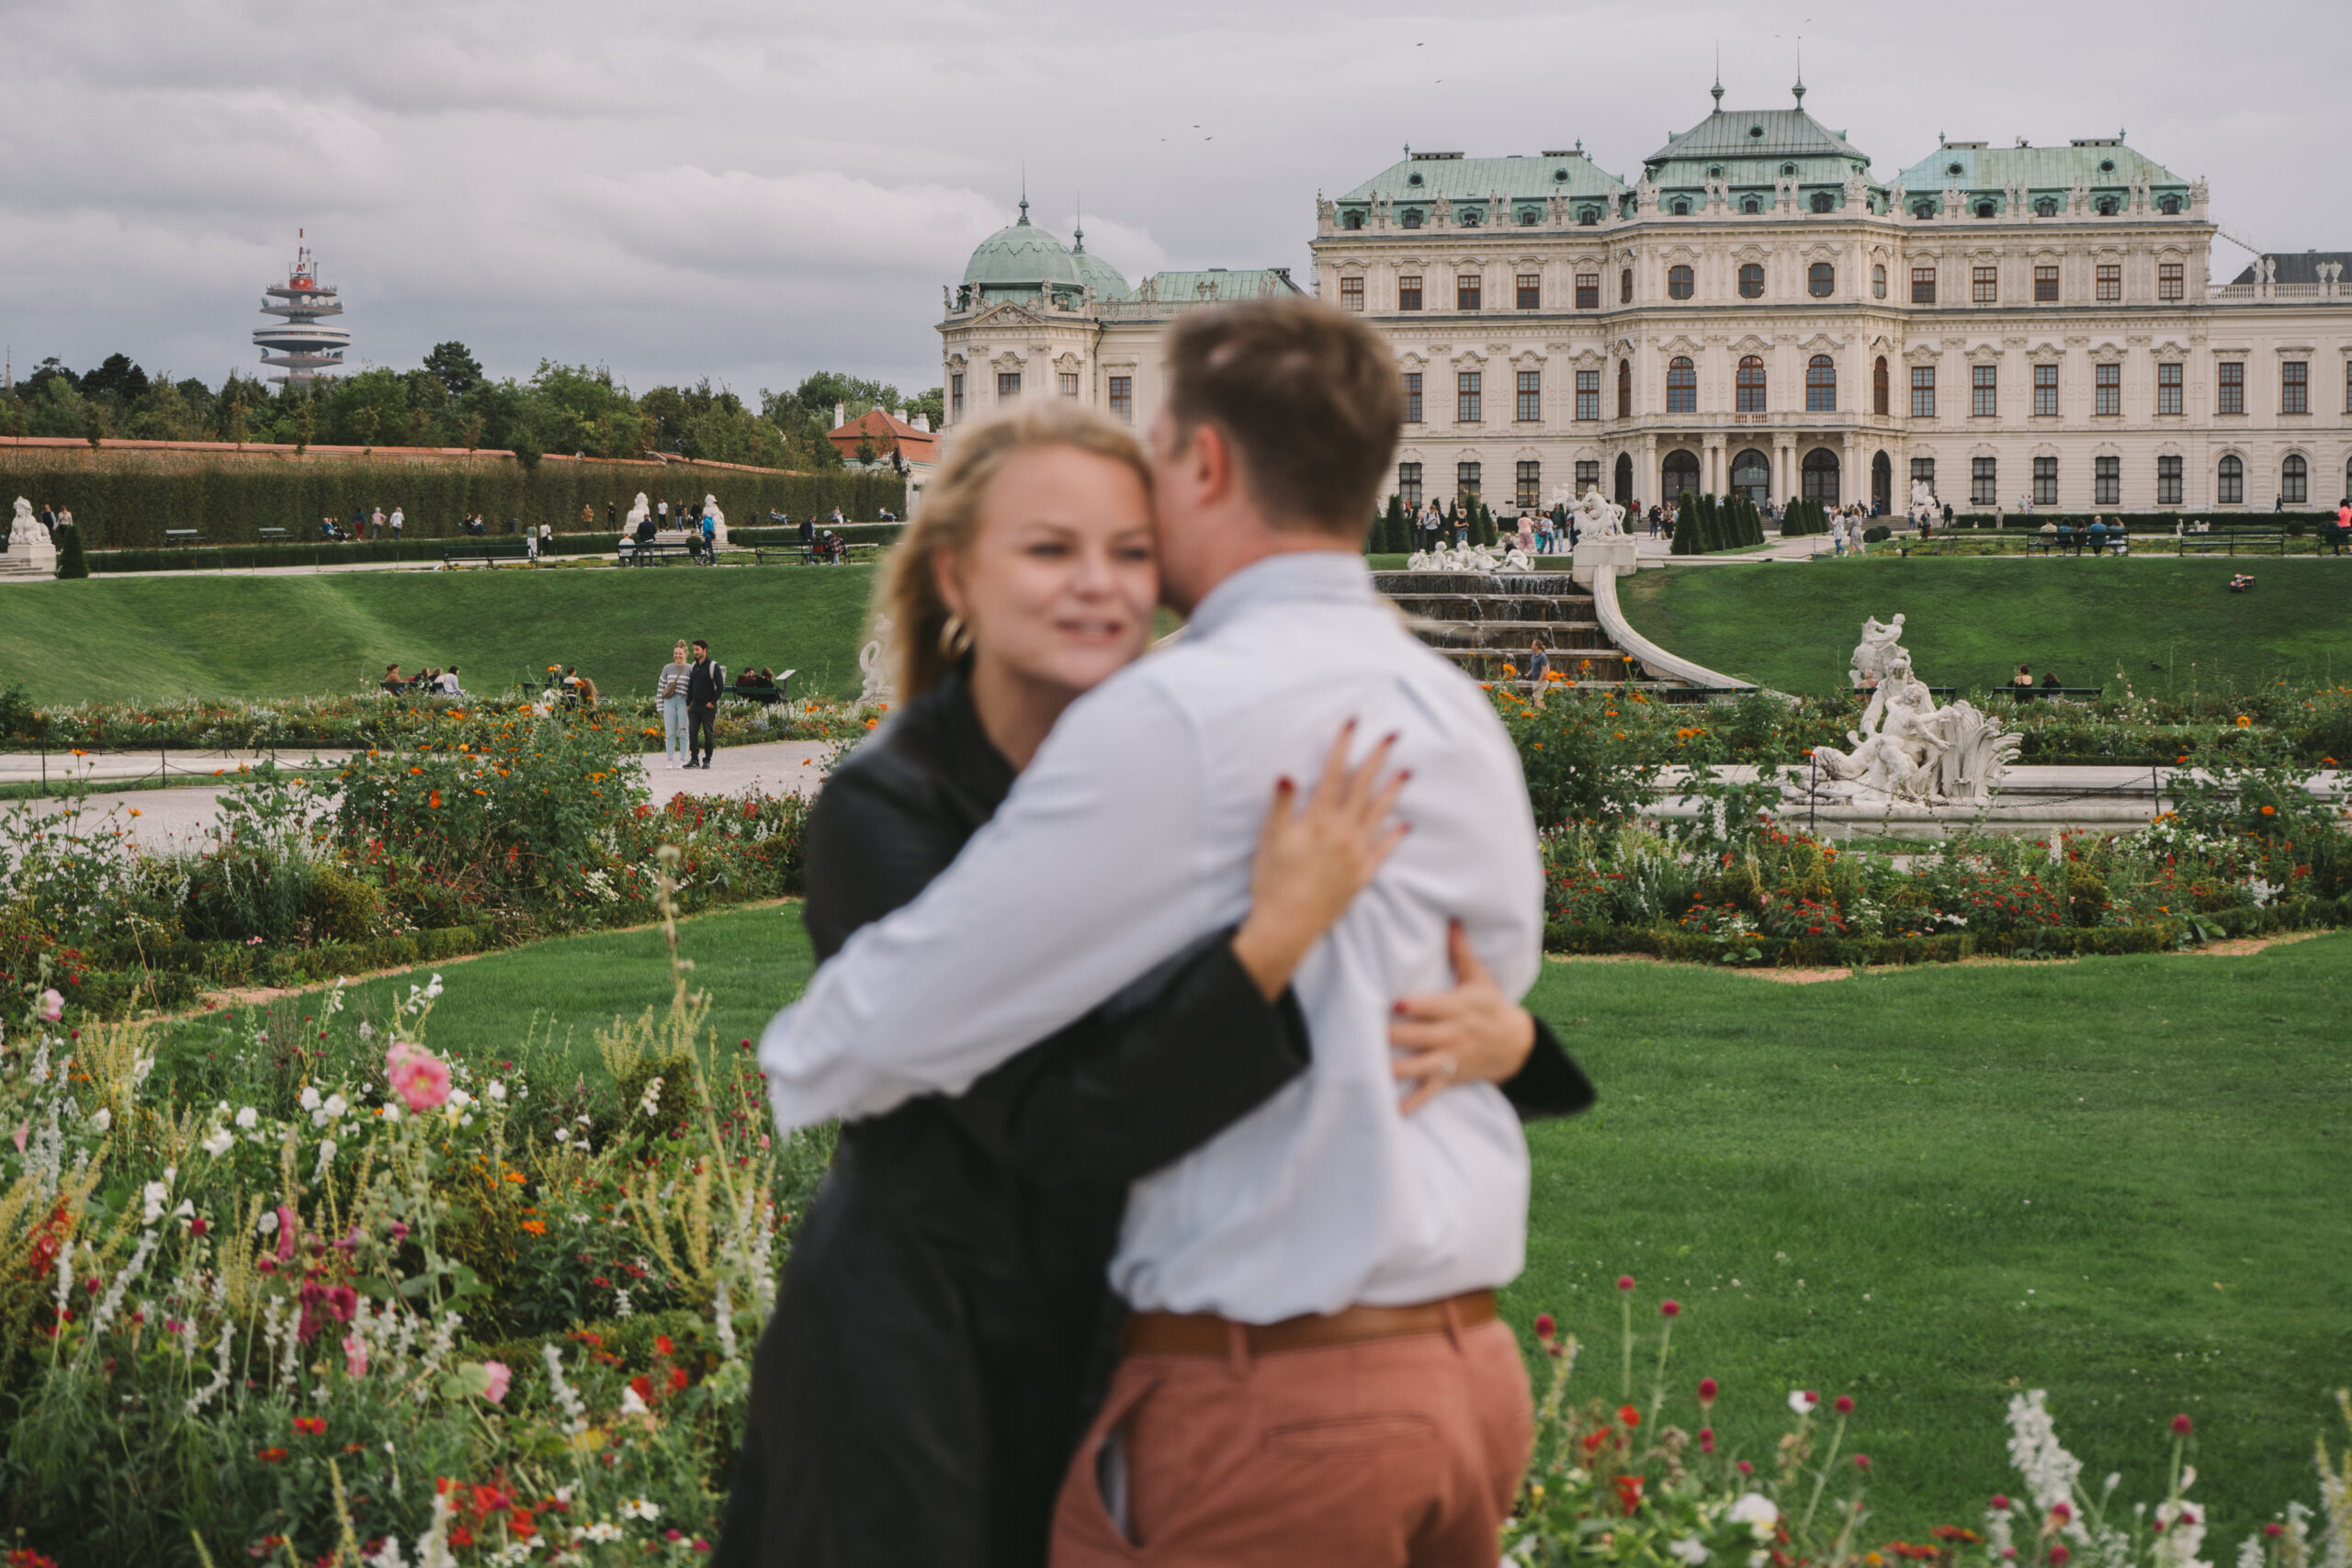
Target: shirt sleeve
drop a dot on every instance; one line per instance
(1083, 880)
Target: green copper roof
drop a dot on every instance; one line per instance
(1424, 177)
(1217, 282)
(1096, 273)
(2099, 164)
(1022, 256)
(1729, 134)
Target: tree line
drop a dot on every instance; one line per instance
(449, 401)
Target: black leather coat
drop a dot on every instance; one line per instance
(944, 1322)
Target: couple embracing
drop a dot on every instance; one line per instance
(1167, 1007)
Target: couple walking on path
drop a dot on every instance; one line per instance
(1167, 1007)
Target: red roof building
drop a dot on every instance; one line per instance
(915, 445)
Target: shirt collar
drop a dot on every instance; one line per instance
(1329, 577)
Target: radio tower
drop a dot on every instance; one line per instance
(304, 349)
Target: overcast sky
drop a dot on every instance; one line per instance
(752, 191)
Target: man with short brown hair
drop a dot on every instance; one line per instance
(1315, 1371)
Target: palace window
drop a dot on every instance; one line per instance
(2169, 207)
(2045, 285)
(1749, 385)
(1751, 281)
(1880, 395)
(2169, 389)
(2107, 389)
(1624, 389)
(1412, 396)
(1587, 216)
(1354, 219)
(1469, 398)
(1985, 391)
(1878, 281)
(1681, 385)
(1409, 485)
(1070, 383)
(1986, 284)
(1123, 399)
(1923, 472)
(1530, 396)
(1983, 482)
(2107, 482)
(1822, 201)
(1588, 291)
(1530, 290)
(1625, 287)
(2045, 481)
(1530, 489)
(1821, 384)
(1468, 286)
(1412, 218)
(1681, 208)
(1008, 385)
(1466, 482)
(955, 398)
(1588, 394)
(1588, 476)
(1923, 391)
(2295, 387)
(1923, 285)
(2045, 391)
(1987, 209)
(2348, 401)
(2294, 481)
(1751, 204)
(1678, 282)
(2230, 491)
(1821, 280)
(1530, 216)
(1351, 294)
(1923, 210)
(2107, 206)
(2170, 284)
(2229, 393)
(2167, 481)
(2046, 207)
(1408, 293)
(2111, 282)
(1470, 218)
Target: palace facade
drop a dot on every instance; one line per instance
(1756, 314)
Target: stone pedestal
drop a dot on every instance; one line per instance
(31, 552)
(1595, 550)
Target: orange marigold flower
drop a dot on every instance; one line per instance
(536, 1227)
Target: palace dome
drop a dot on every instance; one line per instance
(1097, 274)
(1023, 257)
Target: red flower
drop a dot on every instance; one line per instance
(1707, 1391)
(1746, 1469)
(1592, 1442)
(311, 1426)
(1845, 1405)
(2058, 1555)
(2000, 1504)
(1862, 1461)
(1669, 1309)
(1628, 1415)
(2061, 1512)
(1706, 1439)
(1629, 1493)
(271, 1455)
(644, 1386)
(1624, 1282)
(661, 1345)
(1545, 1326)
(2180, 1426)
(2273, 1529)
(677, 1379)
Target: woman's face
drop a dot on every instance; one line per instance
(1057, 584)
(678, 654)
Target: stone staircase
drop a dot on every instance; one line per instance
(1483, 623)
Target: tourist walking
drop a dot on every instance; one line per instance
(669, 695)
(706, 683)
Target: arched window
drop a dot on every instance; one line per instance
(1821, 280)
(1878, 281)
(1681, 385)
(2046, 207)
(1530, 216)
(1788, 171)
(2107, 206)
(1624, 389)
(1821, 476)
(1681, 207)
(1751, 281)
(1625, 287)
(1589, 216)
(1355, 219)
(1986, 210)
(1882, 482)
(1923, 210)
(2294, 481)
(1412, 218)
(2170, 206)
(1623, 474)
(1469, 217)
(1751, 204)
(1750, 387)
(1823, 201)
(1879, 390)
(1821, 384)
(1680, 474)
(1678, 282)
(1751, 476)
(2230, 489)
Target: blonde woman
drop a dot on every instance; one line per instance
(670, 692)
(922, 1381)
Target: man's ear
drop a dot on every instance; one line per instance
(1210, 456)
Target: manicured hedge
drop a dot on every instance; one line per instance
(127, 498)
(238, 557)
(2236, 521)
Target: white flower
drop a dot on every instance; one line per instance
(631, 1405)
(1755, 1511)
(219, 1143)
(310, 1097)
(496, 1090)
(601, 1530)
(336, 1105)
(152, 1208)
(366, 1030)
(248, 1118)
(1689, 1549)
(103, 1120)
(638, 1508)
(1803, 1400)
(267, 1223)
(461, 1099)
(326, 1157)
(651, 1102)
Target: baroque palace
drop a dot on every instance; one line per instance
(1756, 315)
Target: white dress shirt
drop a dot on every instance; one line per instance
(1130, 835)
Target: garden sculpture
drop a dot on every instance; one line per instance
(1924, 508)
(875, 661)
(1876, 652)
(1908, 749)
(1597, 517)
(718, 519)
(31, 552)
(638, 513)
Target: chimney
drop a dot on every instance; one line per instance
(840, 418)
(923, 423)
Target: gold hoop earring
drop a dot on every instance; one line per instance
(955, 637)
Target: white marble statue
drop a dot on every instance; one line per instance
(1924, 507)
(1875, 654)
(1908, 750)
(1483, 559)
(1599, 518)
(877, 661)
(718, 518)
(638, 513)
(31, 552)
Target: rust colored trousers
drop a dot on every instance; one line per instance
(1403, 1452)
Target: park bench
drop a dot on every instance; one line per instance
(182, 536)
(852, 551)
(657, 553)
(488, 551)
(273, 536)
(2070, 693)
(2227, 542)
(763, 696)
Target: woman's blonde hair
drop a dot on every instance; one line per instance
(949, 518)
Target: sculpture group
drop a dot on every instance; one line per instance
(1908, 750)
(31, 552)
(1471, 557)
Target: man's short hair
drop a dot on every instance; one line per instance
(699, 643)
(1310, 400)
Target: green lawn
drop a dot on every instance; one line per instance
(2122, 1179)
(2166, 625)
(157, 636)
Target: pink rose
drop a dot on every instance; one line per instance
(418, 1077)
(52, 1006)
(500, 1378)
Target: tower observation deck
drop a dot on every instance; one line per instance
(304, 349)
